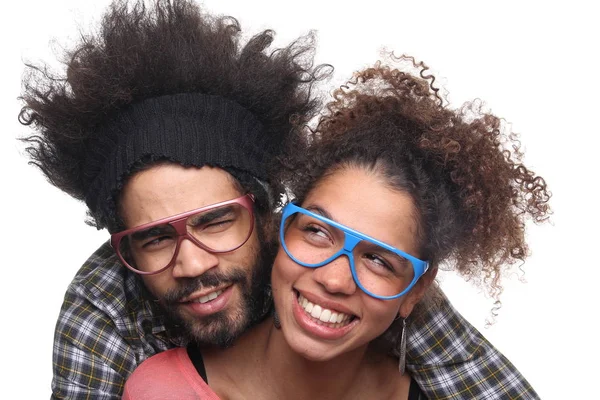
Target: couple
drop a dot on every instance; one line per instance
(380, 199)
(143, 134)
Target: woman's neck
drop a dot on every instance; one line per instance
(306, 379)
(262, 365)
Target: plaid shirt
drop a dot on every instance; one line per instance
(106, 328)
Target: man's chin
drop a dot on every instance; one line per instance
(220, 329)
(220, 325)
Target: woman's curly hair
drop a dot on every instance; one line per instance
(462, 169)
(141, 52)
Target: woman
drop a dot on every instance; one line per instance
(390, 185)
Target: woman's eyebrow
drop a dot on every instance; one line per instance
(321, 211)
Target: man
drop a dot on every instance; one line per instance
(165, 112)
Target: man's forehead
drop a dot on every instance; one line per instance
(169, 189)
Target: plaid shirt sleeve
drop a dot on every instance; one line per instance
(450, 359)
(98, 341)
(104, 331)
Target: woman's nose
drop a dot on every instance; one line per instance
(336, 276)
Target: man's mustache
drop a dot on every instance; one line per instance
(187, 286)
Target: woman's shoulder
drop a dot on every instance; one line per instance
(167, 375)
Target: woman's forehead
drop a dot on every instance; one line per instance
(362, 201)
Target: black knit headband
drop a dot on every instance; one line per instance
(191, 129)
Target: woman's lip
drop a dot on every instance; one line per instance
(321, 331)
(324, 303)
(210, 307)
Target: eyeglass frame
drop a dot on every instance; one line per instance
(351, 239)
(178, 221)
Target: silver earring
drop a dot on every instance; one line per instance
(402, 349)
(276, 321)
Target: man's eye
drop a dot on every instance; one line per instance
(216, 225)
(157, 242)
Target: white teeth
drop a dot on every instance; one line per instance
(208, 297)
(316, 311)
(325, 315)
(322, 315)
(203, 299)
(308, 307)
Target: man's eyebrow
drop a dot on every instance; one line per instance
(211, 215)
(151, 232)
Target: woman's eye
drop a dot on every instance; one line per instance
(379, 261)
(316, 230)
(316, 233)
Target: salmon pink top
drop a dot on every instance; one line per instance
(165, 376)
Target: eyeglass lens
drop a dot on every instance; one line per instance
(218, 230)
(379, 270)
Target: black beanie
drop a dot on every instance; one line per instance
(191, 129)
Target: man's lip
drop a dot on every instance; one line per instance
(200, 310)
(203, 293)
(325, 303)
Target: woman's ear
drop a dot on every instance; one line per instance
(417, 292)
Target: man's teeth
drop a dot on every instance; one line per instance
(323, 314)
(208, 297)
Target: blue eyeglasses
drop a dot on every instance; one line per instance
(380, 270)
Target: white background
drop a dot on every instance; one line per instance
(535, 65)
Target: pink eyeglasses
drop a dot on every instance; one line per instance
(218, 228)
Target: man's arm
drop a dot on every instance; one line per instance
(450, 359)
(90, 360)
(104, 330)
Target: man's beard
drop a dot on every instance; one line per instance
(223, 327)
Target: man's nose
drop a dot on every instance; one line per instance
(192, 260)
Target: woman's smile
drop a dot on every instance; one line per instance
(320, 321)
